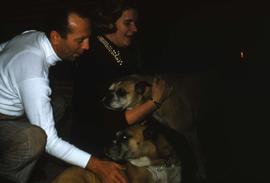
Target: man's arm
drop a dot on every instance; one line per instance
(35, 94)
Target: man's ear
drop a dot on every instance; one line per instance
(55, 37)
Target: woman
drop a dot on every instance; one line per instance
(113, 54)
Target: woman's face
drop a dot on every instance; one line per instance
(125, 28)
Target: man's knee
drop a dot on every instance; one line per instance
(21, 146)
(37, 139)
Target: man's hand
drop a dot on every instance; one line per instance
(107, 171)
(160, 90)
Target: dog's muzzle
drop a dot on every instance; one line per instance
(118, 150)
(107, 99)
(114, 100)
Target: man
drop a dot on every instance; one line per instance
(24, 89)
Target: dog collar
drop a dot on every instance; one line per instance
(140, 162)
(145, 161)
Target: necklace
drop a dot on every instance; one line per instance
(113, 52)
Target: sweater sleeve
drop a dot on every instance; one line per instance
(34, 94)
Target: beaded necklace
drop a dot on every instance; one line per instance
(113, 52)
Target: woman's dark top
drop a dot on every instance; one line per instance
(93, 124)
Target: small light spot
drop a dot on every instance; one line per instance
(243, 56)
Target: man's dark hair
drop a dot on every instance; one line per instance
(108, 12)
(59, 21)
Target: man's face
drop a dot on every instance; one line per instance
(77, 41)
(125, 28)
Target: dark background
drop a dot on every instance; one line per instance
(198, 37)
(188, 34)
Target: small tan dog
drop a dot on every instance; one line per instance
(148, 156)
(179, 111)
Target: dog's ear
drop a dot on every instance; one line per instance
(141, 86)
(150, 134)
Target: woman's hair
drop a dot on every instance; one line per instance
(108, 12)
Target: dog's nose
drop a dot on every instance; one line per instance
(108, 98)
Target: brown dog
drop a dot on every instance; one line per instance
(148, 156)
(178, 112)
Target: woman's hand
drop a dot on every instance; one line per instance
(160, 90)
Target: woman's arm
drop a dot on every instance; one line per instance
(160, 92)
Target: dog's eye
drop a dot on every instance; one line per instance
(121, 93)
(120, 138)
(124, 138)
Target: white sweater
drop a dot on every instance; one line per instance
(24, 87)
